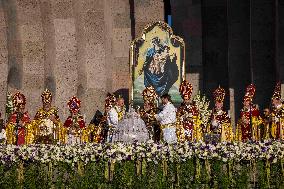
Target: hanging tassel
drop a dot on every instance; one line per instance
(177, 175)
(138, 167)
(107, 171)
(208, 169)
(267, 167)
(21, 173)
(50, 173)
(282, 166)
(111, 172)
(80, 168)
(197, 174)
(230, 172)
(144, 167)
(49, 170)
(254, 172)
(165, 168)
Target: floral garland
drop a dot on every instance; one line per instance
(271, 151)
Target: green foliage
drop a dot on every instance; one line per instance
(276, 177)
(124, 174)
(8, 176)
(242, 175)
(262, 175)
(127, 174)
(220, 175)
(187, 171)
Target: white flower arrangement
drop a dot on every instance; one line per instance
(151, 152)
(202, 104)
(9, 105)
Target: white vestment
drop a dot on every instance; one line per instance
(112, 117)
(167, 118)
(112, 121)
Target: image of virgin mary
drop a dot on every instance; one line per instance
(160, 68)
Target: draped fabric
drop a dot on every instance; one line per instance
(131, 128)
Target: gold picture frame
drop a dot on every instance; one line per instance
(157, 58)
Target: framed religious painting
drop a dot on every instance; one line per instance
(157, 60)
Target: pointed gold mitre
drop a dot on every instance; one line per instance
(185, 89)
(277, 92)
(219, 94)
(149, 94)
(19, 100)
(46, 96)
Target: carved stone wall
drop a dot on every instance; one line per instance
(72, 47)
(81, 47)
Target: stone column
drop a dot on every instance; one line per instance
(3, 58)
(14, 46)
(31, 32)
(66, 63)
(47, 18)
(91, 29)
(120, 45)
